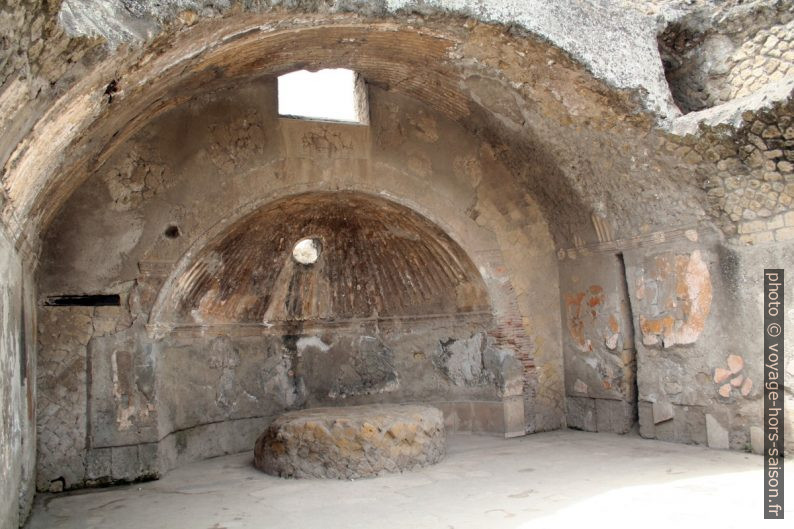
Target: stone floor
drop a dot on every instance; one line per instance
(556, 479)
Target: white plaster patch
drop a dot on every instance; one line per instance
(311, 341)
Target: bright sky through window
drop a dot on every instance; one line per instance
(326, 94)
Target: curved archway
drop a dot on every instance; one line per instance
(501, 102)
(375, 259)
(390, 309)
(475, 193)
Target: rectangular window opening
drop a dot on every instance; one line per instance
(83, 300)
(334, 94)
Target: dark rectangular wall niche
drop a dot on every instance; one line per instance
(83, 300)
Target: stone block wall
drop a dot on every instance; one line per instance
(119, 406)
(62, 375)
(766, 58)
(711, 60)
(752, 189)
(509, 137)
(777, 228)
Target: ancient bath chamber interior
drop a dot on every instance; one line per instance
(399, 306)
(514, 233)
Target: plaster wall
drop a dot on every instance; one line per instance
(17, 386)
(563, 102)
(695, 303)
(160, 393)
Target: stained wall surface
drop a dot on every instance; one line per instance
(414, 297)
(693, 344)
(17, 386)
(570, 206)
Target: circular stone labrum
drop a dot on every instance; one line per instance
(351, 442)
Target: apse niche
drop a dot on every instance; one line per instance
(325, 299)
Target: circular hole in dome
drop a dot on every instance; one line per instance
(306, 251)
(172, 231)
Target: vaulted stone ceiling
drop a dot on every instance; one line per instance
(578, 116)
(376, 259)
(633, 160)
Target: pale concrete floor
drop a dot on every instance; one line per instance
(558, 479)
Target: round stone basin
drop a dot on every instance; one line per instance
(351, 442)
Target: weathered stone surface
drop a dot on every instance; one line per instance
(17, 383)
(687, 426)
(682, 292)
(391, 311)
(645, 412)
(514, 416)
(249, 258)
(721, 375)
(747, 387)
(662, 411)
(709, 62)
(615, 416)
(717, 434)
(351, 442)
(624, 32)
(520, 135)
(461, 360)
(581, 413)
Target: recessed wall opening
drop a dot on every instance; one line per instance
(333, 94)
(172, 231)
(306, 251)
(83, 300)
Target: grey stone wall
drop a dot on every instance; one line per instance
(712, 57)
(751, 194)
(708, 391)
